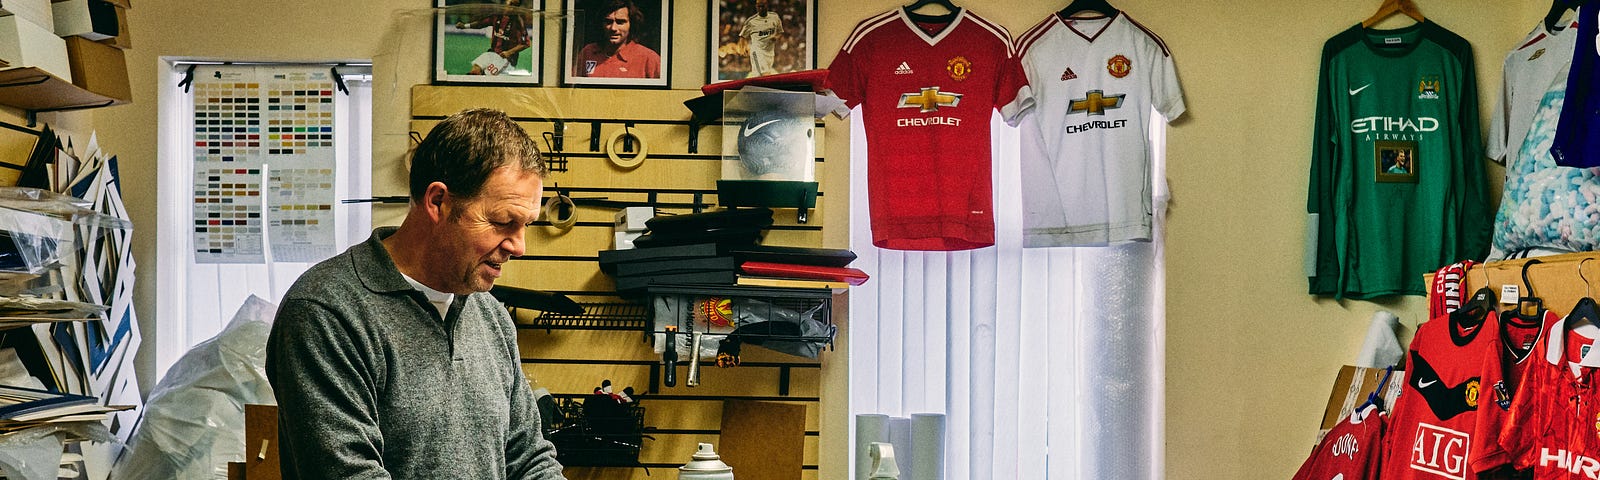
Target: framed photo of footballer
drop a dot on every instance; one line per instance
(487, 41)
(751, 38)
(1396, 161)
(623, 43)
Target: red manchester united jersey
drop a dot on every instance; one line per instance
(927, 90)
(1350, 451)
(1431, 431)
(1554, 423)
(1519, 335)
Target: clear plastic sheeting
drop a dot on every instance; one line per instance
(35, 453)
(194, 422)
(37, 226)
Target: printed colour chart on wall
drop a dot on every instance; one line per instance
(250, 120)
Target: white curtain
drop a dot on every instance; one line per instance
(1047, 362)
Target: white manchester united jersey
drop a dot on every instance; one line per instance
(1086, 168)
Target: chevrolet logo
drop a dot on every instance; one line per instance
(1095, 103)
(929, 99)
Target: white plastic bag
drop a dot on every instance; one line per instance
(194, 422)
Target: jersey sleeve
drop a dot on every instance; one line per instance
(1499, 130)
(1165, 95)
(1013, 96)
(1324, 278)
(1475, 217)
(844, 76)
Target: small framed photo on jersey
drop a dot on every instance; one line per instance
(1396, 161)
(624, 43)
(487, 41)
(751, 38)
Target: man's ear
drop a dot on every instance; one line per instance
(435, 201)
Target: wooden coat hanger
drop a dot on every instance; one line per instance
(1080, 6)
(1391, 7)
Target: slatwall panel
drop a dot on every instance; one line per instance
(571, 363)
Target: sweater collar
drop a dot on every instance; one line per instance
(374, 265)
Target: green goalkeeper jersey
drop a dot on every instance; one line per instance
(1397, 180)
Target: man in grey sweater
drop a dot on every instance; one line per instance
(389, 360)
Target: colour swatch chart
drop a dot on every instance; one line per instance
(301, 157)
(274, 119)
(300, 215)
(227, 215)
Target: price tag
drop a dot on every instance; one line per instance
(1509, 294)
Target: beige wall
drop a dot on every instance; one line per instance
(1249, 355)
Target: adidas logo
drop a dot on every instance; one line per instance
(1068, 75)
(903, 69)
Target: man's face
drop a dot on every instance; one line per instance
(761, 6)
(616, 26)
(480, 235)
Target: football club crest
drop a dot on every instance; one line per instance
(959, 68)
(1119, 66)
(1428, 88)
(1597, 424)
(1471, 393)
(718, 311)
(1068, 75)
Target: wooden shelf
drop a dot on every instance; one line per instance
(35, 90)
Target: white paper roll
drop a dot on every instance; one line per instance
(900, 437)
(927, 446)
(870, 427)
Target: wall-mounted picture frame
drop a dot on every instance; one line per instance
(622, 43)
(750, 38)
(1396, 161)
(488, 42)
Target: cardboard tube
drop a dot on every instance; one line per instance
(870, 427)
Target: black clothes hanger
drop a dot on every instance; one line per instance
(1558, 8)
(1464, 322)
(926, 18)
(1080, 6)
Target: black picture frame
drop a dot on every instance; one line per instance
(586, 61)
(729, 56)
(464, 41)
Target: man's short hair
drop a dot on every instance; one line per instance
(465, 148)
(635, 16)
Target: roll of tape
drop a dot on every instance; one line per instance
(638, 158)
(561, 212)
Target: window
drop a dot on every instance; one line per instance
(253, 160)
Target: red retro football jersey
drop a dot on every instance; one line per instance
(1431, 430)
(1519, 335)
(1350, 451)
(1554, 423)
(927, 87)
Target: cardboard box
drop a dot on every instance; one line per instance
(1350, 390)
(631, 219)
(124, 38)
(91, 19)
(23, 44)
(98, 68)
(36, 11)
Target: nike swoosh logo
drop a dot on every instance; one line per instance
(1426, 384)
(759, 126)
(1358, 90)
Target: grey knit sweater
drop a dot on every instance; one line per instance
(372, 383)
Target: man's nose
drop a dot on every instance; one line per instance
(514, 244)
